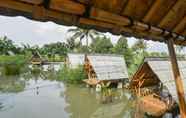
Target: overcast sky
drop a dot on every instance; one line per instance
(22, 30)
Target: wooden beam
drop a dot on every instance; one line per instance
(60, 18)
(177, 77)
(184, 32)
(158, 10)
(67, 6)
(174, 16)
(114, 6)
(137, 8)
(84, 1)
(12, 4)
(181, 26)
(38, 12)
(137, 29)
(102, 15)
(36, 2)
(86, 21)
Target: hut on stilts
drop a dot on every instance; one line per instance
(73, 60)
(105, 68)
(36, 58)
(154, 84)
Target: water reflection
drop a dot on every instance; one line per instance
(38, 95)
(85, 103)
(13, 84)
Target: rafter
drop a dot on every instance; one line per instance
(181, 26)
(174, 15)
(158, 10)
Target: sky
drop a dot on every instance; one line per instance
(25, 31)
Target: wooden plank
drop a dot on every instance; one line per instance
(158, 11)
(177, 77)
(184, 32)
(114, 6)
(67, 6)
(140, 26)
(102, 15)
(137, 8)
(11, 4)
(36, 2)
(174, 16)
(38, 12)
(86, 21)
(181, 26)
(61, 18)
(85, 1)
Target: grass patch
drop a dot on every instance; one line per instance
(72, 75)
(12, 65)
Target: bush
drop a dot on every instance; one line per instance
(15, 60)
(72, 75)
(12, 65)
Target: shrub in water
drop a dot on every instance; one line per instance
(72, 75)
(12, 65)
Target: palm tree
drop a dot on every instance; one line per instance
(83, 33)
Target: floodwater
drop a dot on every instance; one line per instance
(41, 96)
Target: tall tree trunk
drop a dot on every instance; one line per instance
(87, 43)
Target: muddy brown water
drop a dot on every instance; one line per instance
(39, 97)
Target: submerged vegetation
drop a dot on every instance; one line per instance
(72, 75)
(12, 84)
(12, 65)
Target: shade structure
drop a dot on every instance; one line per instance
(74, 59)
(108, 67)
(155, 70)
(155, 20)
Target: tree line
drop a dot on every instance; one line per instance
(95, 42)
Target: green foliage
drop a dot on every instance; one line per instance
(12, 65)
(15, 60)
(54, 48)
(72, 75)
(79, 33)
(6, 46)
(122, 48)
(101, 45)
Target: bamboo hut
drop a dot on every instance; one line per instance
(154, 82)
(73, 60)
(36, 58)
(105, 68)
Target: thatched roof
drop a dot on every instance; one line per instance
(155, 20)
(161, 69)
(75, 59)
(108, 67)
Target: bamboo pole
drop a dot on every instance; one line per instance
(177, 77)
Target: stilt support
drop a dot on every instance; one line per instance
(177, 77)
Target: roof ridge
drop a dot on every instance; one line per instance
(99, 54)
(146, 59)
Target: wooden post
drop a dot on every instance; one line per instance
(177, 77)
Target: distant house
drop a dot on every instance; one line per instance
(155, 76)
(10, 53)
(74, 59)
(104, 68)
(36, 58)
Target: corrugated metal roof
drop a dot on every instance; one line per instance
(76, 59)
(108, 67)
(163, 70)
